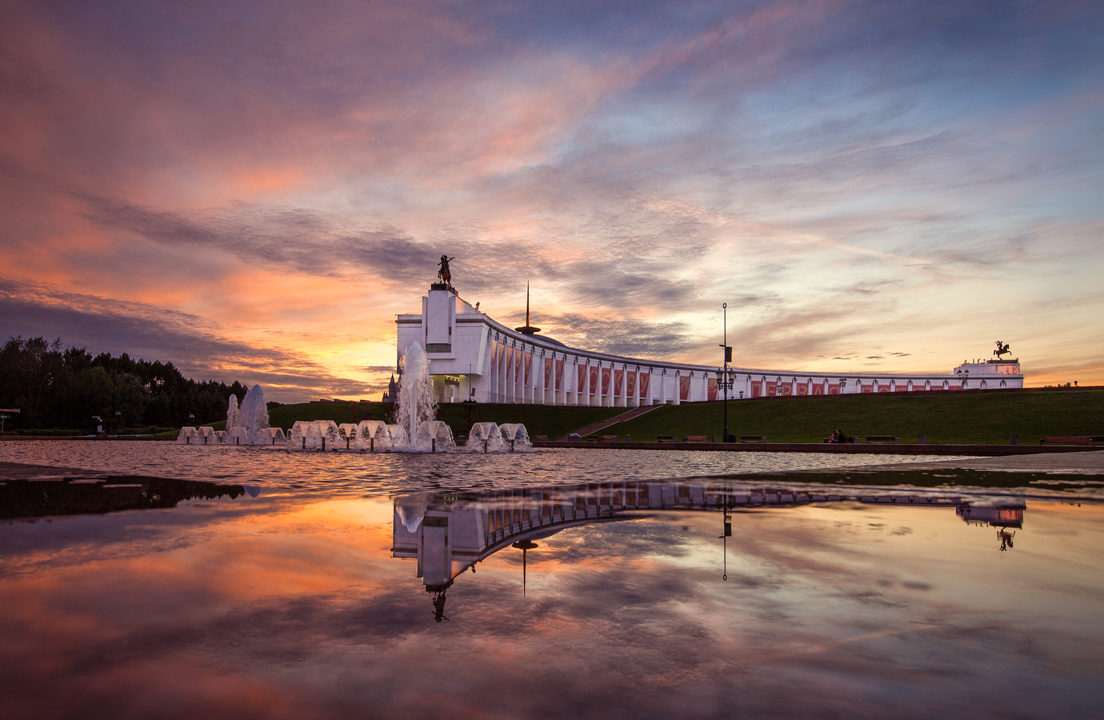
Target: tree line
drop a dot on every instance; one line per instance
(65, 387)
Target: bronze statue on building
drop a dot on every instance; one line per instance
(444, 273)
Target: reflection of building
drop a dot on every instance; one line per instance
(1003, 516)
(449, 533)
(473, 356)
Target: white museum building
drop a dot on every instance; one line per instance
(473, 357)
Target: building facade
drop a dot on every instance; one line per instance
(473, 357)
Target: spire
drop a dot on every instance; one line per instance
(527, 329)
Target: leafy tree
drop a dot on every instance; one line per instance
(60, 387)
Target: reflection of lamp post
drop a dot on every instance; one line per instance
(525, 546)
(725, 535)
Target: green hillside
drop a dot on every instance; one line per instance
(983, 418)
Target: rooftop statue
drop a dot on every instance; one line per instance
(1002, 349)
(444, 273)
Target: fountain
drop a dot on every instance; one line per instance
(485, 437)
(416, 405)
(434, 436)
(252, 417)
(187, 436)
(516, 436)
(232, 412)
(415, 429)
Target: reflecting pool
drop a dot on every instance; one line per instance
(413, 587)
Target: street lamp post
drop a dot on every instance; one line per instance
(725, 381)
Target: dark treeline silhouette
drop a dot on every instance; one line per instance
(59, 387)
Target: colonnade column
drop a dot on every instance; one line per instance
(622, 387)
(492, 371)
(502, 372)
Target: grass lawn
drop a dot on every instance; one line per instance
(988, 418)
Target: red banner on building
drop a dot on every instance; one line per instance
(771, 389)
(645, 379)
(630, 383)
(528, 366)
(818, 389)
(618, 377)
(605, 381)
(902, 388)
(787, 389)
(559, 374)
(548, 373)
(868, 388)
(494, 355)
(834, 389)
(684, 388)
(803, 389)
(509, 362)
(711, 389)
(581, 380)
(885, 388)
(593, 381)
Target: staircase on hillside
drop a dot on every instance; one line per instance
(616, 419)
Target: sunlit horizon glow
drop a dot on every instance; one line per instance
(253, 191)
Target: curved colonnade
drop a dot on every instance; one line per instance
(474, 358)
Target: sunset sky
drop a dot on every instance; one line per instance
(253, 190)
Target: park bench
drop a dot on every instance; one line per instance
(665, 438)
(752, 438)
(1066, 440)
(882, 439)
(609, 438)
(695, 438)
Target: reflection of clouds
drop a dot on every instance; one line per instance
(302, 612)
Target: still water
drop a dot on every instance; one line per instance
(552, 584)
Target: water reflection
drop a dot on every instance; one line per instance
(94, 493)
(836, 605)
(449, 533)
(1002, 518)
